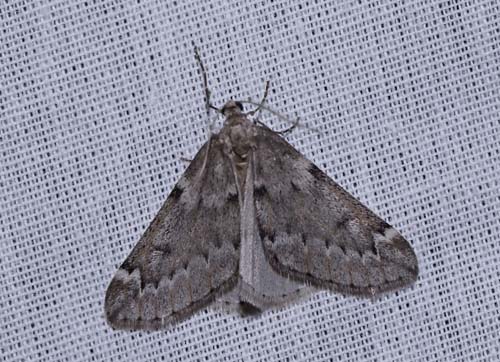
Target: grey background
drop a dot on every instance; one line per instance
(100, 100)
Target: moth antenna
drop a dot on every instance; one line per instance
(208, 105)
(261, 104)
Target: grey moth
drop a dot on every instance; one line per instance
(251, 225)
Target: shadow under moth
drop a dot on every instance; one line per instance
(251, 225)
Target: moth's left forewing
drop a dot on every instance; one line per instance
(189, 253)
(315, 231)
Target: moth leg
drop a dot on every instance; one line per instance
(283, 132)
(259, 107)
(289, 129)
(185, 159)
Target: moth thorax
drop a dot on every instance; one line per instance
(241, 139)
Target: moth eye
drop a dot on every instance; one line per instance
(239, 105)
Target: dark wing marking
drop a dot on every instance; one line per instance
(316, 232)
(189, 253)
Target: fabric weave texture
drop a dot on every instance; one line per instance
(101, 100)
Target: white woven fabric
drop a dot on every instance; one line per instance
(100, 100)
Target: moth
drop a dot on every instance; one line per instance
(251, 225)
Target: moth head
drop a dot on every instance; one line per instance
(232, 108)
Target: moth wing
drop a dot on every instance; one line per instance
(316, 232)
(189, 253)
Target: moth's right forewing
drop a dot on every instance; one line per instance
(315, 231)
(188, 254)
